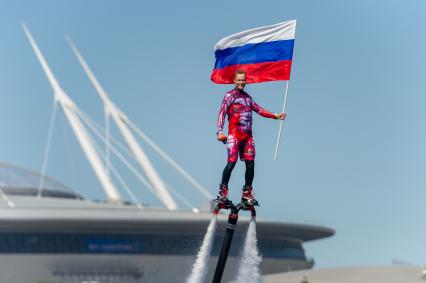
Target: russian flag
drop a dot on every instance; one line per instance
(265, 53)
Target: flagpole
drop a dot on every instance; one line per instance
(281, 122)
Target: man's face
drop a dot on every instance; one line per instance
(240, 81)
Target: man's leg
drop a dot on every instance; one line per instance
(222, 195)
(249, 154)
(227, 172)
(249, 176)
(232, 144)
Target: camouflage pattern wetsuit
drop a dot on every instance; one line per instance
(239, 105)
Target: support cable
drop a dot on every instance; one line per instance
(107, 140)
(119, 177)
(99, 129)
(182, 199)
(119, 155)
(170, 160)
(47, 148)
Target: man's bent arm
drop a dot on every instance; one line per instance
(262, 112)
(222, 113)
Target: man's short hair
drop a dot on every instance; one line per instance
(239, 72)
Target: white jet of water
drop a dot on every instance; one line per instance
(248, 270)
(201, 264)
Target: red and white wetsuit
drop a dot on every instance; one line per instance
(239, 105)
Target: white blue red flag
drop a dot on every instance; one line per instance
(265, 53)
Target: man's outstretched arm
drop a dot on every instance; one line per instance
(265, 113)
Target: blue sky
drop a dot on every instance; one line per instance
(352, 155)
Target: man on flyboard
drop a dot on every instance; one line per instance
(239, 105)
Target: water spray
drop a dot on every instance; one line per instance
(200, 266)
(248, 270)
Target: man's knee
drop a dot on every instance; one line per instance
(230, 165)
(249, 164)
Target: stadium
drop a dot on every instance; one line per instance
(59, 236)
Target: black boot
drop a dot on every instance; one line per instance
(221, 201)
(222, 195)
(247, 198)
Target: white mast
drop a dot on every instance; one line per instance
(83, 137)
(122, 123)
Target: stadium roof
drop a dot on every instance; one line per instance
(15, 180)
(19, 209)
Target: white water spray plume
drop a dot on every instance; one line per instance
(249, 270)
(201, 264)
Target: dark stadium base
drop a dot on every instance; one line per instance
(118, 269)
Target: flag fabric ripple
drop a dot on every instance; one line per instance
(265, 53)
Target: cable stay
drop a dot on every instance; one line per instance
(117, 153)
(171, 161)
(47, 148)
(182, 199)
(118, 177)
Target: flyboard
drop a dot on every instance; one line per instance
(229, 233)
